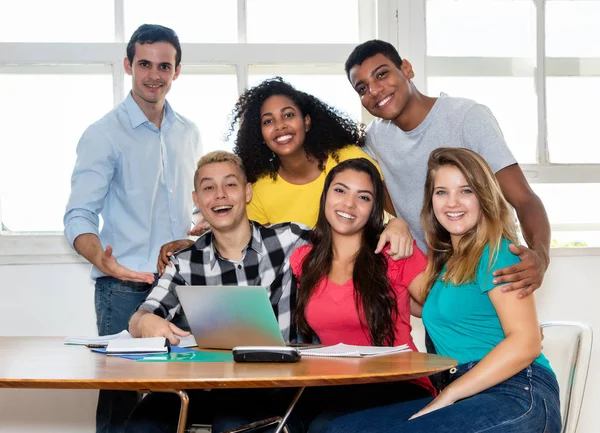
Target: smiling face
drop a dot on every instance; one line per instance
(283, 125)
(152, 71)
(454, 204)
(384, 90)
(349, 202)
(221, 195)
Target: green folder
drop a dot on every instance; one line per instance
(191, 356)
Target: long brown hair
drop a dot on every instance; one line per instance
(496, 219)
(373, 294)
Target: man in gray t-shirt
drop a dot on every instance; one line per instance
(409, 125)
(402, 156)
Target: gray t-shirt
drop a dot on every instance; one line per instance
(403, 156)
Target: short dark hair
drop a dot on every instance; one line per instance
(369, 49)
(151, 33)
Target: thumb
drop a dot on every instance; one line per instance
(516, 250)
(108, 251)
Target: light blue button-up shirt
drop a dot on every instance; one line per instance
(139, 178)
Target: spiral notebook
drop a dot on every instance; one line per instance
(342, 350)
(102, 341)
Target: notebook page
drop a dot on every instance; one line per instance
(350, 351)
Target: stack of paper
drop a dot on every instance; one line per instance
(349, 351)
(96, 341)
(139, 346)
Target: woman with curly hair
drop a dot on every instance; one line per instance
(288, 141)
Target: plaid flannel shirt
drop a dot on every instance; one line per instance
(265, 262)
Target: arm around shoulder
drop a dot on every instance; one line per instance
(529, 273)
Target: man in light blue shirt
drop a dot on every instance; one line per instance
(134, 167)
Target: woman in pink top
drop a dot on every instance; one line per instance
(347, 293)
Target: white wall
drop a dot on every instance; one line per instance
(57, 300)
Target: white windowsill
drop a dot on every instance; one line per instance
(27, 249)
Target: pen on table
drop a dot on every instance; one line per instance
(96, 346)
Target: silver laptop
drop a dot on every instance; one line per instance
(223, 317)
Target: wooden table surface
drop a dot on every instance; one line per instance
(45, 362)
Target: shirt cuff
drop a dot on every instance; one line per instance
(153, 307)
(77, 226)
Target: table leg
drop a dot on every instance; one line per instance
(289, 410)
(183, 412)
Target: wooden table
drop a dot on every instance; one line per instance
(44, 362)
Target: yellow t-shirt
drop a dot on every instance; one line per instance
(277, 201)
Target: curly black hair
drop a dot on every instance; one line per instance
(330, 129)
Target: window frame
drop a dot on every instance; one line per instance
(401, 22)
(52, 247)
(412, 41)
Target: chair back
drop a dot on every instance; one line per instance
(568, 346)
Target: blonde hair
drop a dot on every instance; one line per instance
(219, 156)
(496, 219)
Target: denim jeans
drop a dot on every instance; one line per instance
(115, 302)
(528, 402)
(226, 409)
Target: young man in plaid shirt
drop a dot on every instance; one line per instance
(236, 251)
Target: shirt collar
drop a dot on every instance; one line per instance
(255, 244)
(137, 116)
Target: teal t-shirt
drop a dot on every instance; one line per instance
(461, 320)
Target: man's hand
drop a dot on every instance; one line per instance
(397, 234)
(527, 275)
(439, 402)
(109, 265)
(150, 325)
(167, 251)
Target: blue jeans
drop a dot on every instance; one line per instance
(115, 302)
(226, 409)
(528, 402)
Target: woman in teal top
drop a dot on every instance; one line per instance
(502, 383)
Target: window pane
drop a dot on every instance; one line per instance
(306, 21)
(481, 28)
(572, 28)
(571, 204)
(57, 21)
(518, 120)
(572, 119)
(206, 99)
(42, 126)
(192, 20)
(335, 90)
